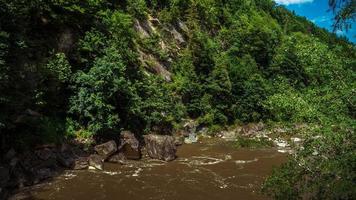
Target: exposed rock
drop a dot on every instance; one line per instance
(4, 176)
(14, 161)
(118, 158)
(29, 160)
(43, 174)
(299, 126)
(154, 66)
(177, 36)
(66, 40)
(107, 149)
(10, 154)
(230, 135)
(145, 28)
(252, 129)
(191, 139)
(45, 154)
(190, 126)
(280, 143)
(81, 163)
(129, 145)
(182, 26)
(65, 148)
(161, 147)
(296, 140)
(154, 21)
(190, 132)
(22, 196)
(65, 160)
(50, 163)
(96, 161)
(178, 140)
(140, 29)
(27, 115)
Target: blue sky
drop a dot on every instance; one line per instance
(317, 12)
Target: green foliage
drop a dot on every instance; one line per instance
(3, 53)
(96, 90)
(242, 60)
(252, 143)
(289, 105)
(345, 13)
(322, 169)
(137, 8)
(59, 67)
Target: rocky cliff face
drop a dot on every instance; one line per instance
(168, 40)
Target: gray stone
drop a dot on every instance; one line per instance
(80, 163)
(4, 176)
(252, 129)
(96, 161)
(45, 154)
(129, 145)
(161, 147)
(10, 154)
(44, 173)
(178, 140)
(65, 160)
(107, 149)
(117, 158)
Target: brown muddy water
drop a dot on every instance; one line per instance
(209, 170)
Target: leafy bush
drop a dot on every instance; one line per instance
(322, 169)
(137, 8)
(96, 91)
(59, 67)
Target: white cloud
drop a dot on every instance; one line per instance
(322, 19)
(287, 2)
(340, 33)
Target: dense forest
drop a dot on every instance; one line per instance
(83, 69)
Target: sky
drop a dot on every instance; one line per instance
(318, 12)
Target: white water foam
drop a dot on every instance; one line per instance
(137, 172)
(245, 161)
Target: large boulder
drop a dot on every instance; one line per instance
(178, 140)
(65, 160)
(129, 145)
(4, 176)
(117, 158)
(81, 163)
(96, 162)
(10, 155)
(161, 147)
(252, 129)
(107, 149)
(45, 154)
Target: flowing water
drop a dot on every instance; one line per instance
(209, 170)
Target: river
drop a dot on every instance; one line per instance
(212, 169)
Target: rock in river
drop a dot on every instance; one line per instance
(161, 147)
(107, 149)
(118, 158)
(96, 162)
(81, 163)
(129, 145)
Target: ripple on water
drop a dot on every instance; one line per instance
(137, 172)
(245, 161)
(202, 171)
(204, 160)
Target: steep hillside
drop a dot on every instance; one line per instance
(79, 69)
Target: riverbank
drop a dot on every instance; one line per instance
(209, 169)
(47, 162)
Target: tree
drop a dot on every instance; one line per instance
(345, 13)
